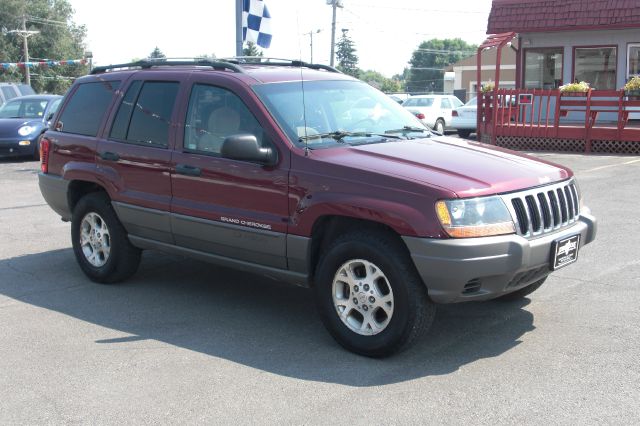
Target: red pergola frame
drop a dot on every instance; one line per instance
(498, 41)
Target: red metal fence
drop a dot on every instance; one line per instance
(597, 117)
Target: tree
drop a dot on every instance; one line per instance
(379, 81)
(157, 54)
(252, 50)
(429, 61)
(59, 38)
(346, 54)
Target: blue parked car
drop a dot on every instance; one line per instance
(22, 121)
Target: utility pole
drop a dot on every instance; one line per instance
(310, 34)
(25, 35)
(334, 4)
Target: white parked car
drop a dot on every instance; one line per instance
(465, 118)
(433, 110)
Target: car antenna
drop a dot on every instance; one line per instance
(304, 108)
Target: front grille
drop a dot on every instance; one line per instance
(545, 209)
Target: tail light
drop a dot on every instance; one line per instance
(45, 147)
(454, 113)
(420, 115)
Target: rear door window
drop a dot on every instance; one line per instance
(84, 112)
(445, 104)
(145, 113)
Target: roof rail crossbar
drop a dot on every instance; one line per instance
(145, 64)
(260, 60)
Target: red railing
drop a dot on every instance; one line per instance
(549, 114)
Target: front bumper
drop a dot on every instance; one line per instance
(458, 270)
(10, 147)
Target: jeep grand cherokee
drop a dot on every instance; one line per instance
(301, 173)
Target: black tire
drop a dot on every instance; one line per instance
(123, 258)
(439, 126)
(464, 133)
(36, 152)
(523, 292)
(413, 311)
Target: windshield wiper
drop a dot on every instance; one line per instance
(409, 129)
(339, 135)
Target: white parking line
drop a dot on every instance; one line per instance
(611, 165)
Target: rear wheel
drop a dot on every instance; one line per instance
(100, 242)
(439, 126)
(524, 291)
(369, 295)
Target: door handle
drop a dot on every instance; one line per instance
(109, 156)
(185, 169)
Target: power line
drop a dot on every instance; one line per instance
(368, 5)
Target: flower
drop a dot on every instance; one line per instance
(486, 88)
(633, 84)
(583, 86)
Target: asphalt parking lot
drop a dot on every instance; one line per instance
(187, 342)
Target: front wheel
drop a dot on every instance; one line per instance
(439, 126)
(100, 242)
(370, 296)
(36, 149)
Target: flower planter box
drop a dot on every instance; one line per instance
(632, 94)
(574, 94)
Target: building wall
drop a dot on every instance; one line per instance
(465, 70)
(570, 39)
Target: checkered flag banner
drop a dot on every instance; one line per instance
(256, 23)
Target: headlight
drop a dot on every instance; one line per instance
(26, 130)
(475, 217)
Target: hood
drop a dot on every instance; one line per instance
(466, 168)
(9, 126)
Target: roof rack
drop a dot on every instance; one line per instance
(148, 63)
(261, 60)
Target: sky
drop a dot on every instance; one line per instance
(384, 33)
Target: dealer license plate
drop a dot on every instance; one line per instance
(565, 252)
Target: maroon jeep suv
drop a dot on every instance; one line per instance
(301, 173)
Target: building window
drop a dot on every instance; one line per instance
(596, 66)
(543, 68)
(633, 60)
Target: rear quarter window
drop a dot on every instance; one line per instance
(8, 92)
(83, 113)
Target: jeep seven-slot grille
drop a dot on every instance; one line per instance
(542, 210)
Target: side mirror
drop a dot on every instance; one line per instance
(245, 147)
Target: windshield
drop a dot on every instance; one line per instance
(472, 102)
(419, 102)
(23, 108)
(337, 112)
